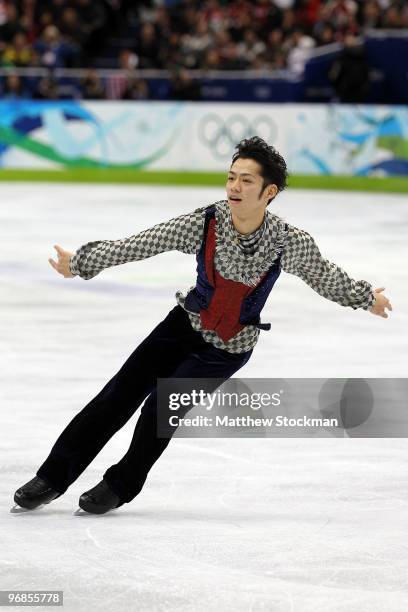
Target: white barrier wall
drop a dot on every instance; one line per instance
(314, 139)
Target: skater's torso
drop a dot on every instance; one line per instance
(243, 259)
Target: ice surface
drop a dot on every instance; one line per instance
(286, 525)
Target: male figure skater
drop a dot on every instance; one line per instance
(241, 249)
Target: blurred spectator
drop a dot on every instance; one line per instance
(3, 12)
(251, 47)
(231, 58)
(19, 53)
(92, 14)
(341, 14)
(71, 27)
(279, 61)
(92, 87)
(45, 19)
(214, 15)
(264, 17)
(274, 46)
(324, 34)
(171, 54)
(370, 15)
(211, 60)
(240, 19)
(128, 60)
(300, 51)
(27, 18)
(163, 22)
(47, 89)
(13, 87)
(288, 22)
(93, 17)
(147, 47)
(195, 44)
(137, 89)
(11, 23)
(307, 12)
(392, 18)
(349, 73)
(184, 87)
(53, 51)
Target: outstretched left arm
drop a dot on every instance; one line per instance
(302, 257)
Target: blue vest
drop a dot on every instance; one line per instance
(200, 297)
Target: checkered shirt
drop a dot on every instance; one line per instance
(299, 255)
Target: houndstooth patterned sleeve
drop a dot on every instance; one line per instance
(302, 257)
(183, 233)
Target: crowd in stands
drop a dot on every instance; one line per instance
(179, 36)
(253, 34)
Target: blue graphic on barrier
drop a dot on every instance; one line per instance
(73, 135)
(351, 140)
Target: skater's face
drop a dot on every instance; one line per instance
(245, 188)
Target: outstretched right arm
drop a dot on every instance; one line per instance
(183, 233)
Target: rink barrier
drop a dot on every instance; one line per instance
(181, 137)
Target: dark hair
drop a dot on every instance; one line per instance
(273, 166)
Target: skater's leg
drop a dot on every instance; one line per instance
(157, 356)
(127, 477)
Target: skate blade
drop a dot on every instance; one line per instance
(81, 512)
(19, 510)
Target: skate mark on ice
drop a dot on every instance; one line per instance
(92, 538)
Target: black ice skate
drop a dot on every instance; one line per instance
(33, 494)
(99, 500)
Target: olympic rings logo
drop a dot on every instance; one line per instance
(222, 135)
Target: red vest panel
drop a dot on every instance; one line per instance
(223, 312)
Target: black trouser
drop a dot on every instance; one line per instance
(173, 349)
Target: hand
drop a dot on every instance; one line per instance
(380, 304)
(62, 266)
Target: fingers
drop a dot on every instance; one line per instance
(56, 266)
(381, 303)
(382, 313)
(62, 266)
(379, 308)
(379, 313)
(59, 249)
(386, 303)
